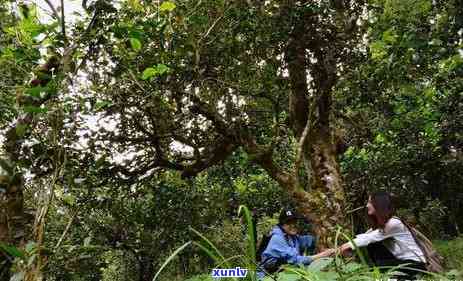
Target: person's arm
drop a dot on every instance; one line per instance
(308, 242)
(391, 228)
(326, 253)
(278, 248)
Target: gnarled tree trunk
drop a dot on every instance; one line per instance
(311, 58)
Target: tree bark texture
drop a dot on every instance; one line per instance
(322, 200)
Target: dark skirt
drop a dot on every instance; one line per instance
(381, 256)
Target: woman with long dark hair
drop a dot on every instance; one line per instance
(389, 242)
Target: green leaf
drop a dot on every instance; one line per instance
(251, 247)
(453, 272)
(148, 73)
(135, 43)
(389, 36)
(154, 71)
(162, 68)
(36, 91)
(208, 252)
(328, 275)
(71, 200)
(285, 276)
(378, 50)
(135, 4)
(21, 130)
(320, 264)
(11, 250)
(102, 104)
(380, 138)
(167, 6)
(211, 245)
(351, 267)
(170, 258)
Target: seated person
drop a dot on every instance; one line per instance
(389, 242)
(286, 246)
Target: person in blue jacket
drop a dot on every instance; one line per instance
(286, 246)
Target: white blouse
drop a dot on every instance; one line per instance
(403, 246)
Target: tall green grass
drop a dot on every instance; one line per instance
(246, 260)
(170, 258)
(336, 268)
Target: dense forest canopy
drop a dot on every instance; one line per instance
(124, 124)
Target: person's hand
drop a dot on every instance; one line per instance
(328, 252)
(345, 250)
(324, 254)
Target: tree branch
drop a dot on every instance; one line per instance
(212, 115)
(63, 23)
(220, 152)
(263, 156)
(296, 61)
(55, 13)
(68, 226)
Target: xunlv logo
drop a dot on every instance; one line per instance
(229, 272)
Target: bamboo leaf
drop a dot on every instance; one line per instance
(11, 250)
(170, 258)
(208, 252)
(251, 245)
(211, 245)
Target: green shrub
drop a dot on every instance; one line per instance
(120, 266)
(230, 236)
(452, 251)
(336, 269)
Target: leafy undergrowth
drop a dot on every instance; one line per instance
(331, 269)
(452, 251)
(337, 270)
(327, 269)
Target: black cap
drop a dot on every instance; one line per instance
(287, 215)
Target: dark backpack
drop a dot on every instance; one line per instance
(274, 265)
(262, 246)
(434, 261)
